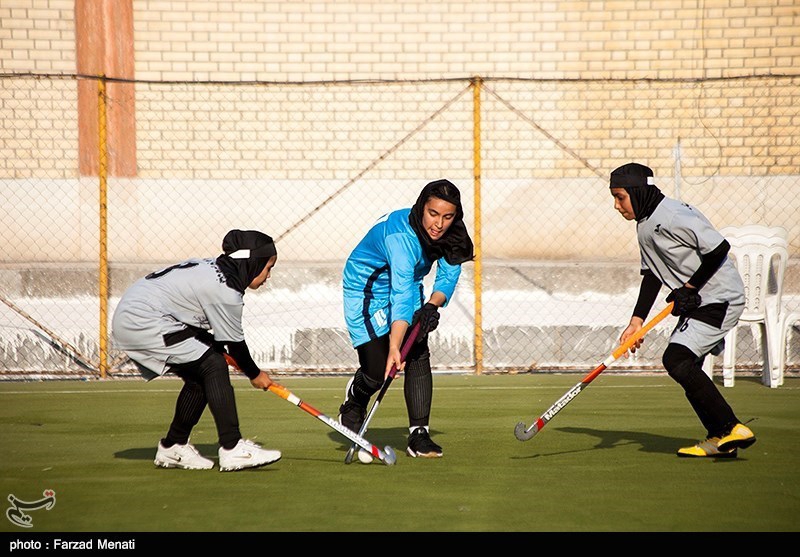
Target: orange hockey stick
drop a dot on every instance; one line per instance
(385, 455)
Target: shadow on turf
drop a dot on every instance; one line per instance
(395, 437)
(210, 450)
(609, 439)
(149, 453)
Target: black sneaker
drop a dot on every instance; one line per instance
(352, 415)
(420, 444)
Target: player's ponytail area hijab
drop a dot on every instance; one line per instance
(638, 181)
(246, 253)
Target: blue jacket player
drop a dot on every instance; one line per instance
(383, 295)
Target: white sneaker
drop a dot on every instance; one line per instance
(246, 454)
(181, 456)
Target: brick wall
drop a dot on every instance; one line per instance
(335, 40)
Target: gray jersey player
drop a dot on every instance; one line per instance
(181, 320)
(681, 249)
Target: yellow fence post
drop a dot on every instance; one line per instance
(103, 270)
(476, 172)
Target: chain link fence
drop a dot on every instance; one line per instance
(103, 181)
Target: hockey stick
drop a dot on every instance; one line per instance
(387, 455)
(524, 433)
(412, 337)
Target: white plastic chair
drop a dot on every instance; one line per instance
(786, 322)
(760, 254)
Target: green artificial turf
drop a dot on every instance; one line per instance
(605, 463)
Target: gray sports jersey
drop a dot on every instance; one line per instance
(190, 293)
(671, 241)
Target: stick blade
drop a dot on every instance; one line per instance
(391, 457)
(522, 433)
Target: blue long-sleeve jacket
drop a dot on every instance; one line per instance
(382, 278)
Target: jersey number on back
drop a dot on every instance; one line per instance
(162, 272)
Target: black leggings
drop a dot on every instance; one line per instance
(205, 382)
(418, 384)
(686, 368)
(372, 357)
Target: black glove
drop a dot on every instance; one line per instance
(686, 300)
(428, 318)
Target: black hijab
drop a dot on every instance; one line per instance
(637, 180)
(247, 252)
(455, 245)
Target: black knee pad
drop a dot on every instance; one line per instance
(363, 387)
(680, 362)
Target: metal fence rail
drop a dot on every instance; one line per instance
(99, 192)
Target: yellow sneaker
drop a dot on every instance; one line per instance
(739, 437)
(707, 448)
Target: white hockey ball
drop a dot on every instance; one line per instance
(364, 457)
